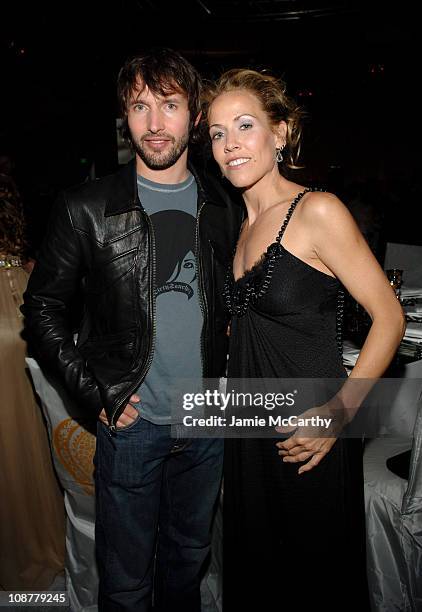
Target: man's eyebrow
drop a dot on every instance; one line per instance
(172, 96)
(175, 95)
(173, 92)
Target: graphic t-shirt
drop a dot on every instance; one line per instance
(178, 316)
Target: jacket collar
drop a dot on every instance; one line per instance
(123, 195)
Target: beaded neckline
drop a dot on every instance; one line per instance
(254, 282)
(239, 293)
(274, 245)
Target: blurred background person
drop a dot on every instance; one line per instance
(31, 511)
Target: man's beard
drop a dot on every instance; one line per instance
(164, 160)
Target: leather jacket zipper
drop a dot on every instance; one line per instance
(201, 293)
(152, 276)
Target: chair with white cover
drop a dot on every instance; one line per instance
(394, 513)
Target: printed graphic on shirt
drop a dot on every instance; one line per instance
(175, 252)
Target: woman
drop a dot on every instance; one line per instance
(294, 530)
(32, 525)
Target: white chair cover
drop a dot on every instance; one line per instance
(394, 520)
(73, 450)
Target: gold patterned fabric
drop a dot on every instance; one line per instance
(32, 517)
(75, 449)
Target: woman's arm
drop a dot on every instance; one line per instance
(337, 243)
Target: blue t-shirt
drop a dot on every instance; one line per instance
(178, 316)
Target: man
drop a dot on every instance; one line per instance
(150, 245)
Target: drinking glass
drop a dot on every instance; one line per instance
(395, 276)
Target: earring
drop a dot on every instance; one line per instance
(279, 154)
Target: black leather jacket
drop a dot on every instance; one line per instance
(100, 238)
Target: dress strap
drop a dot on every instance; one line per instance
(291, 210)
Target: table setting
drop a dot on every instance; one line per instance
(357, 323)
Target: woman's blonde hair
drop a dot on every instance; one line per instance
(271, 92)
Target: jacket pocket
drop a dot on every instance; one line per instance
(110, 270)
(111, 355)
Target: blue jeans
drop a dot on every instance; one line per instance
(155, 496)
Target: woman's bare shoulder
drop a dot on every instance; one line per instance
(324, 208)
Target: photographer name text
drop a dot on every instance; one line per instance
(256, 421)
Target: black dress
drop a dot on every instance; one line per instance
(290, 541)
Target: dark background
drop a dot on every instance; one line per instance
(353, 65)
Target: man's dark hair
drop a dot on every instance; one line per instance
(163, 71)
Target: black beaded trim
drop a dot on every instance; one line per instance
(239, 294)
(339, 320)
